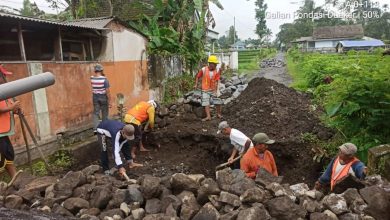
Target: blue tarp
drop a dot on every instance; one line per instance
(362, 43)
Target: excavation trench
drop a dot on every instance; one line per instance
(197, 153)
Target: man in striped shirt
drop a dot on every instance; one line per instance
(101, 95)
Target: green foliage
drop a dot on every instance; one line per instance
(261, 28)
(176, 87)
(61, 160)
(357, 100)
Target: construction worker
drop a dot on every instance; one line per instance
(241, 143)
(140, 113)
(7, 110)
(120, 135)
(100, 95)
(259, 157)
(210, 79)
(344, 164)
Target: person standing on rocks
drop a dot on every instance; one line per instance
(7, 155)
(120, 135)
(241, 143)
(100, 95)
(210, 79)
(141, 113)
(259, 157)
(341, 166)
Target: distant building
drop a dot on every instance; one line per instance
(325, 39)
(346, 45)
(239, 45)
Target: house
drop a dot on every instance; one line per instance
(239, 45)
(70, 50)
(211, 39)
(346, 45)
(325, 39)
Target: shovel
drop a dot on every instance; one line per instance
(223, 165)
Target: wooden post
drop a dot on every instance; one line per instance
(60, 44)
(21, 42)
(91, 49)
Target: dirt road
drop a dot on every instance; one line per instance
(279, 74)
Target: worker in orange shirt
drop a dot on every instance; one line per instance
(136, 116)
(259, 157)
(7, 155)
(210, 79)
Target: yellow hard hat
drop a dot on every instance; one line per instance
(213, 59)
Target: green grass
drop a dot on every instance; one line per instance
(299, 80)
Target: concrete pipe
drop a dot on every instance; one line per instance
(25, 85)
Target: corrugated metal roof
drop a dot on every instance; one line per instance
(362, 43)
(343, 31)
(58, 23)
(98, 23)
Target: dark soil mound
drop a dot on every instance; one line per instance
(284, 114)
(270, 107)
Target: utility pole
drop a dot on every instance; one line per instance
(234, 32)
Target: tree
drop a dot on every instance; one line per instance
(231, 36)
(261, 28)
(31, 10)
(223, 42)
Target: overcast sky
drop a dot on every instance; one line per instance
(242, 10)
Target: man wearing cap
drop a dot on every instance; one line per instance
(259, 157)
(141, 113)
(120, 135)
(341, 166)
(100, 95)
(210, 79)
(239, 140)
(7, 124)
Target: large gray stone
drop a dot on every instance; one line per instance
(279, 190)
(135, 194)
(91, 170)
(284, 208)
(153, 206)
(150, 187)
(253, 195)
(181, 182)
(240, 186)
(138, 214)
(208, 187)
(214, 199)
(120, 196)
(299, 189)
(13, 201)
(64, 188)
(74, 205)
(171, 199)
(254, 213)
(207, 212)
(57, 209)
(230, 216)
(350, 216)
(311, 205)
(91, 211)
(83, 191)
(189, 205)
(354, 201)
(264, 178)
(378, 202)
(319, 216)
(224, 179)
(230, 199)
(100, 197)
(36, 187)
(336, 203)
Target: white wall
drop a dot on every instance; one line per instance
(128, 46)
(321, 44)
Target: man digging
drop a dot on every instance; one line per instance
(120, 135)
(241, 143)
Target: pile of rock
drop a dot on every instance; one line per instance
(272, 63)
(229, 89)
(88, 195)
